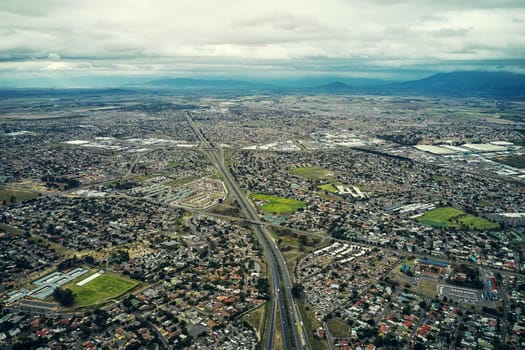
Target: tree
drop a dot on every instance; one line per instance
(303, 240)
(88, 259)
(419, 346)
(297, 291)
(64, 297)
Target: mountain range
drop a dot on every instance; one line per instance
(460, 84)
(502, 85)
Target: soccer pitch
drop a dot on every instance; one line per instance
(452, 217)
(278, 205)
(106, 286)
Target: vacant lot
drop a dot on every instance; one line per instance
(328, 187)
(426, 287)
(452, 217)
(11, 196)
(256, 319)
(106, 286)
(313, 173)
(311, 324)
(339, 328)
(516, 161)
(278, 205)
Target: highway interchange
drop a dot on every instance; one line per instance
(283, 303)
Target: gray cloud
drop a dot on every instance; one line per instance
(182, 37)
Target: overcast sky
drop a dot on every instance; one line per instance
(60, 39)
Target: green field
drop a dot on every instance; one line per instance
(8, 195)
(311, 324)
(440, 217)
(180, 181)
(426, 287)
(256, 319)
(452, 217)
(516, 161)
(477, 223)
(328, 187)
(143, 178)
(278, 205)
(107, 286)
(314, 173)
(339, 328)
(439, 178)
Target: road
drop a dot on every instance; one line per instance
(128, 173)
(503, 292)
(162, 338)
(329, 337)
(505, 318)
(293, 331)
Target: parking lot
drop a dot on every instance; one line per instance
(463, 295)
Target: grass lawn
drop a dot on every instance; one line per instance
(477, 223)
(401, 277)
(256, 319)
(440, 217)
(290, 248)
(311, 324)
(143, 178)
(180, 181)
(426, 287)
(328, 187)
(19, 195)
(278, 342)
(485, 203)
(439, 178)
(339, 328)
(516, 161)
(314, 173)
(278, 205)
(452, 217)
(106, 286)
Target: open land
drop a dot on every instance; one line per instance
(451, 217)
(278, 205)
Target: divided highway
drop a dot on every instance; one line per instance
(294, 333)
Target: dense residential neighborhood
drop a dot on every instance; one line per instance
(188, 222)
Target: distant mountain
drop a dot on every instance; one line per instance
(502, 85)
(494, 84)
(327, 80)
(336, 87)
(186, 83)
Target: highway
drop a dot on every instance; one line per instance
(293, 331)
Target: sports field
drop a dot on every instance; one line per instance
(452, 217)
(278, 205)
(314, 173)
(328, 187)
(106, 286)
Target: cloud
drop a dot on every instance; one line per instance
(53, 56)
(177, 36)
